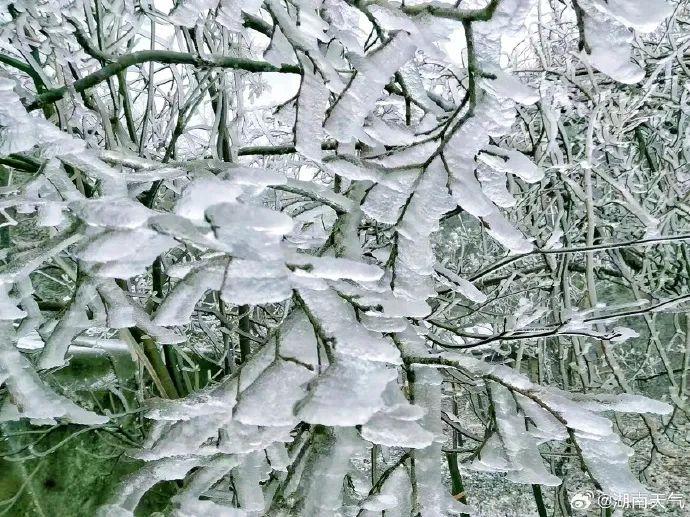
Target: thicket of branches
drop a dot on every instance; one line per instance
(345, 257)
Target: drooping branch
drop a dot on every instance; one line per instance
(160, 56)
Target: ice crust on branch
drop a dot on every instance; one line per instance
(332, 234)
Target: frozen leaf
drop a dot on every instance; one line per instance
(119, 213)
(348, 393)
(397, 424)
(178, 306)
(204, 193)
(124, 253)
(255, 282)
(460, 285)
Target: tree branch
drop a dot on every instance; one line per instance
(160, 56)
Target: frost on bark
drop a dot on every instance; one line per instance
(356, 252)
